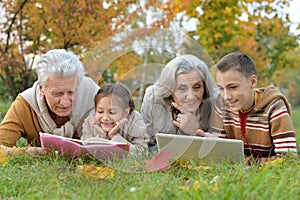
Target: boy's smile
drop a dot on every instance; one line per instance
(236, 89)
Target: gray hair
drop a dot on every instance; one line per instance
(60, 63)
(180, 65)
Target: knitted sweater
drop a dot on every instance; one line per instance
(266, 130)
(134, 131)
(28, 115)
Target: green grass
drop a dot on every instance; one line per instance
(3, 108)
(57, 177)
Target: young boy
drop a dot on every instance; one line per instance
(259, 117)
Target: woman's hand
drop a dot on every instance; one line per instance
(186, 121)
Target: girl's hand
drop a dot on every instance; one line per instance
(186, 121)
(115, 130)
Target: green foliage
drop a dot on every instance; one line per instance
(3, 108)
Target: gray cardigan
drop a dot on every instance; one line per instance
(157, 115)
(134, 131)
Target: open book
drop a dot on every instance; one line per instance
(100, 148)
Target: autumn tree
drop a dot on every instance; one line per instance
(29, 28)
(258, 28)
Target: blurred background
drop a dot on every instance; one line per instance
(131, 41)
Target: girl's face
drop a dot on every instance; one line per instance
(108, 111)
(189, 91)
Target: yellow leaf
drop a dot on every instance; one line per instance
(183, 188)
(196, 185)
(203, 168)
(96, 173)
(272, 163)
(3, 157)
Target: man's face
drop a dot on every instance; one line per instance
(61, 94)
(237, 89)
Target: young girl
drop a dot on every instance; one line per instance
(116, 118)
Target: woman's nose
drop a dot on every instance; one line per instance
(190, 94)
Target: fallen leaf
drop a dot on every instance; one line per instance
(4, 157)
(272, 163)
(189, 165)
(96, 173)
(8, 153)
(160, 162)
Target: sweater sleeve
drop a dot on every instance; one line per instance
(134, 132)
(19, 121)
(282, 131)
(146, 112)
(217, 120)
(90, 128)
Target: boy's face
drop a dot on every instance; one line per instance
(236, 89)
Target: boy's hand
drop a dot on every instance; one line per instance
(186, 121)
(201, 133)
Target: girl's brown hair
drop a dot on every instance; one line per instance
(118, 89)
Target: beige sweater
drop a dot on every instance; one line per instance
(28, 115)
(133, 132)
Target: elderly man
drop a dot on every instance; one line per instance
(57, 103)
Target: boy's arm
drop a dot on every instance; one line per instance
(282, 131)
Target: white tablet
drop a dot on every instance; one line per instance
(201, 149)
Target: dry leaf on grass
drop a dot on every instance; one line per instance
(96, 173)
(191, 166)
(4, 157)
(197, 186)
(7, 153)
(272, 163)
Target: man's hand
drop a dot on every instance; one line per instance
(36, 151)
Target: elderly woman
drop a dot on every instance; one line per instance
(180, 102)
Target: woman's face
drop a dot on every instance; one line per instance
(109, 111)
(189, 90)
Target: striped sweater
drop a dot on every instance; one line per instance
(266, 130)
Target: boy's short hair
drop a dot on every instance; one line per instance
(238, 61)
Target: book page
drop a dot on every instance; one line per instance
(94, 140)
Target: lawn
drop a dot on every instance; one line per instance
(57, 177)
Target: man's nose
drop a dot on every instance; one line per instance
(65, 100)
